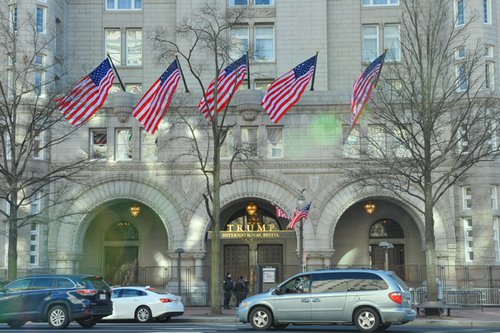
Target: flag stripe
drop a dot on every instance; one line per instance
(297, 215)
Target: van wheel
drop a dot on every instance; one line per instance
(366, 320)
(261, 318)
(58, 317)
(143, 314)
(15, 323)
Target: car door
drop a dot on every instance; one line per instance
(328, 296)
(39, 290)
(292, 301)
(126, 303)
(11, 301)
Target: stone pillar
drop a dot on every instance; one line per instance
(319, 259)
(67, 263)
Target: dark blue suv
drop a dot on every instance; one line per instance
(56, 299)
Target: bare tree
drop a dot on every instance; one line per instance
(432, 118)
(209, 46)
(30, 128)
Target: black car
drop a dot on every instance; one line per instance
(56, 299)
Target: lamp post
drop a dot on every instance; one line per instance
(301, 203)
(386, 246)
(179, 251)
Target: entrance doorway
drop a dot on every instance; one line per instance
(121, 264)
(396, 258)
(387, 231)
(236, 260)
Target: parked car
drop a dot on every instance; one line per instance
(370, 299)
(56, 299)
(144, 303)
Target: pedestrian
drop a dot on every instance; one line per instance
(240, 290)
(227, 286)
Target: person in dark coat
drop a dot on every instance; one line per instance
(227, 287)
(240, 290)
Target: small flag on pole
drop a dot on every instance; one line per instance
(281, 213)
(286, 91)
(150, 110)
(229, 81)
(363, 86)
(88, 95)
(299, 214)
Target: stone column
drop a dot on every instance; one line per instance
(67, 263)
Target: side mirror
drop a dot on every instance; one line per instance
(277, 291)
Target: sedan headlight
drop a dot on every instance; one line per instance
(243, 304)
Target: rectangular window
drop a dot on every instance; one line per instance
(249, 141)
(134, 88)
(39, 84)
(459, 12)
(370, 43)
(34, 244)
(392, 42)
(462, 77)
(493, 196)
(238, 2)
(264, 2)
(8, 146)
(262, 84)
(460, 53)
(134, 47)
(239, 42)
(463, 140)
(496, 238)
(380, 2)
(98, 143)
(468, 238)
(112, 41)
(275, 142)
(13, 17)
(487, 11)
(466, 197)
(488, 51)
(492, 142)
(264, 43)
(227, 148)
(377, 136)
(38, 143)
(489, 77)
(401, 140)
(123, 144)
(36, 203)
(149, 146)
(10, 83)
(41, 20)
(123, 4)
(351, 148)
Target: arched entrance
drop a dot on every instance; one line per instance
(387, 235)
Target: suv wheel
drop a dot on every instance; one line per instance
(143, 314)
(366, 320)
(58, 317)
(88, 322)
(261, 318)
(15, 323)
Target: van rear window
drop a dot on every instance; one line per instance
(400, 282)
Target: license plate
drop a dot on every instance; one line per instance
(102, 296)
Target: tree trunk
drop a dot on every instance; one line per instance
(430, 242)
(13, 232)
(216, 281)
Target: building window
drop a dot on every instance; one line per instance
(123, 144)
(34, 244)
(489, 77)
(492, 142)
(123, 4)
(493, 196)
(38, 143)
(370, 43)
(39, 84)
(462, 79)
(392, 42)
(380, 2)
(36, 203)
(377, 136)
(264, 2)
(239, 42)
(466, 197)
(227, 148)
(134, 47)
(463, 140)
(10, 83)
(238, 2)
(459, 12)
(134, 88)
(487, 11)
(149, 146)
(8, 146)
(262, 84)
(488, 51)
(351, 141)
(112, 41)
(98, 143)
(264, 43)
(249, 141)
(496, 238)
(275, 142)
(468, 237)
(41, 21)
(13, 20)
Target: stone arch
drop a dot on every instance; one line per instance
(66, 236)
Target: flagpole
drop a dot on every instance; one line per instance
(248, 71)
(182, 73)
(116, 72)
(314, 74)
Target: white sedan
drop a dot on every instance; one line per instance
(144, 303)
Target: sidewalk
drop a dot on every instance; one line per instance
(488, 317)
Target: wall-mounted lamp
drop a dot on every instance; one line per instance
(369, 207)
(135, 210)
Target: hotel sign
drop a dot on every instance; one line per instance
(253, 232)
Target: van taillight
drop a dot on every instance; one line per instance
(396, 297)
(166, 300)
(86, 292)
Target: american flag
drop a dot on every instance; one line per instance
(299, 214)
(281, 213)
(150, 110)
(88, 95)
(286, 91)
(228, 82)
(363, 87)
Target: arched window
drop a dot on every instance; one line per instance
(122, 231)
(386, 228)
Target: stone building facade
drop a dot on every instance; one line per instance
(301, 152)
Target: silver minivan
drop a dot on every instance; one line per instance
(372, 300)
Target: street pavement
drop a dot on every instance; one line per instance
(486, 317)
